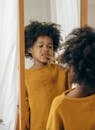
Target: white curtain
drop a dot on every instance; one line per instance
(9, 75)
(66, 13)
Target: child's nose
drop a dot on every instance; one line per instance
(46, 48)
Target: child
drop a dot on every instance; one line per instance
(44, 80)
(75, 108)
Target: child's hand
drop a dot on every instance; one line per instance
(58, 59)
(55, 60)
(51, 59)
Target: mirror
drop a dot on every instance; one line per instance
(45, 10)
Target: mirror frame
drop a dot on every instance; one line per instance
(83, 12)
(21, 115)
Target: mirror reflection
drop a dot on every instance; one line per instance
(44, 77)
(53, 11)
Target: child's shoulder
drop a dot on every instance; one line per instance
(55, 65)
(59, 67)
(58, 101)
(27, 72)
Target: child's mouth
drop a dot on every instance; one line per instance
(46, 56)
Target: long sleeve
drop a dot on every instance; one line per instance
(62, 79)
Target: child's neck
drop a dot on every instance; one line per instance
(80, 91)
(38, 65)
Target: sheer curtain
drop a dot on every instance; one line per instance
(66, 13)
(9, 75)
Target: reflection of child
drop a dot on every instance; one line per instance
(75, 108)
(44, 80)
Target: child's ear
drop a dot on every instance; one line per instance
(30, 50)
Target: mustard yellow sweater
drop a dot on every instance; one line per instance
(42, 86)
(72, 113)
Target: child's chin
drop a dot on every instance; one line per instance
(45, 62)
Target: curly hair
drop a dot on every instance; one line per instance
(36, 29)
(79, 54)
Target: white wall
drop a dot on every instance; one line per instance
(91, 13)
(36, 10)
(40, 10)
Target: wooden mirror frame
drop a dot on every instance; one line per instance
(21, 114)
(83, 12)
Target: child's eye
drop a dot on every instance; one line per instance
(49, 46)
(40, 45)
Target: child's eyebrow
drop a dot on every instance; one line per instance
(47, 42)
(40, 42)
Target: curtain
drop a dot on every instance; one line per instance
(66, 13)
(9, 74)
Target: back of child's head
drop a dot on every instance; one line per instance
(79, 54)
(36, 29)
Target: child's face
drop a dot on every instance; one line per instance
(42, 50)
